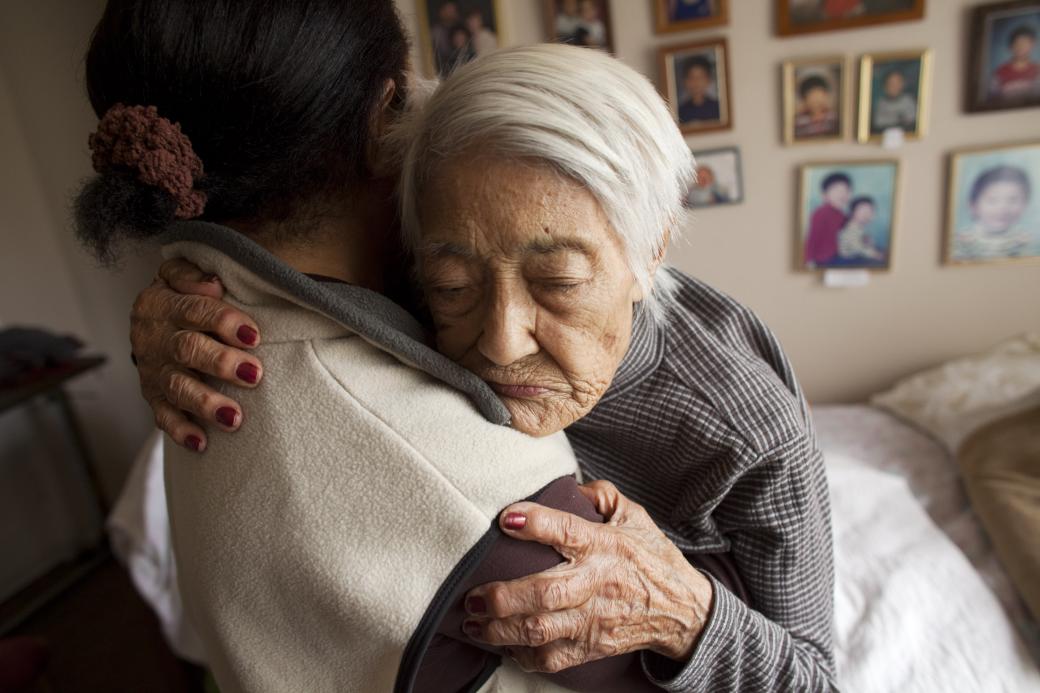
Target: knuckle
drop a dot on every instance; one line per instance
(534, 631)
(186, 347)
(553, 595)
(497, 599)
(225, 361)
(548, 660)
(225, 320)
(572, 530)
(194, 310)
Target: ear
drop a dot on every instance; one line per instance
(380, 122)
(637, 290)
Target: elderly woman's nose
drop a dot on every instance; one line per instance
(508, 330)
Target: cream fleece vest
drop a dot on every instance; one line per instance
(316, 545)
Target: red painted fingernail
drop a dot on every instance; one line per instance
(248, 373)
(247, 335)
(471, 628)
(227, 416)
(515, 521)
(476, 605)
(193, 442)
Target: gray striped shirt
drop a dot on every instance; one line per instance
(706, 427)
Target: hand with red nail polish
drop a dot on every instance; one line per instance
(182, 330)
(623, 587)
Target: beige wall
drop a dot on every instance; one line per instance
(848, 343)
(45, 279)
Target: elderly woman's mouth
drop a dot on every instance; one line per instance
(518, 391)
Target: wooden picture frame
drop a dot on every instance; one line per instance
(789, 24)
(982, 242)
(664, 25)
(575, 30)
(426, 13)
(797, 75)
(707, 65)
(993, 82)
(866, 179)
(728, 186)
(876, 116)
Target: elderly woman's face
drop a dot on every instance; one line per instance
(528, 286)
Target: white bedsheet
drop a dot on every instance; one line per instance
(911, 614)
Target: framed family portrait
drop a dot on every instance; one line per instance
(453, 32)
(992, 211)
(1004, 67)
(580, 23)
(807, 16)
(695, 82)
(815, 99)
(719, 179)
(893, 93)
(689, 15)
(846, 215)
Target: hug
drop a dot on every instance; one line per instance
(463, 428)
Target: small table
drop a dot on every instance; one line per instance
(51, 385)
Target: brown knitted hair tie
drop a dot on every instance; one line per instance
(138, 139)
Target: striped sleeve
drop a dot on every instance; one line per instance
(777, 521)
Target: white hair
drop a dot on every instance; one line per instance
(580, 112)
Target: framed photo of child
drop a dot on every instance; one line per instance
(815, 98)
(453, 32)
(579, 23)
(719, 180)
(894, 89)
(993, 214)
(689, 15)
(1005, 56)
(808, 16)
(695, 82)
(846, 215)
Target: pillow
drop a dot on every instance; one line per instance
(956, 399)
(1000, 465)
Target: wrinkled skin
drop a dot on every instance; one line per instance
(527, 285)
(622, 587)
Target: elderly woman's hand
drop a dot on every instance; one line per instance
(623, 587)
(175, 326)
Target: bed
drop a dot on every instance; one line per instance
(921, 601)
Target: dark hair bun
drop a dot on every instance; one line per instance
(115, 206)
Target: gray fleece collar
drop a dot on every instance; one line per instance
(373, 316)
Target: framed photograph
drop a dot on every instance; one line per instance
(808, 16)
(689, 15)
(580, 23)
(815, 99)
(992, 212)
(695, 81)
(893, 93)
(719, 179)
(453, 32)
(1005, 58)
(846, 214)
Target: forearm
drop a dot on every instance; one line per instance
(740, 649)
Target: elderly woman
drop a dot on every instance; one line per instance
(539, 189)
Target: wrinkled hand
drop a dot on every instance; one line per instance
(175, 326)
(623, 587)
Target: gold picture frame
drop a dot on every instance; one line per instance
(717, 66)
(790, 76)
(813, 175)
(965, 174)
(663, 25)
(869, 129)
(425, 19)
